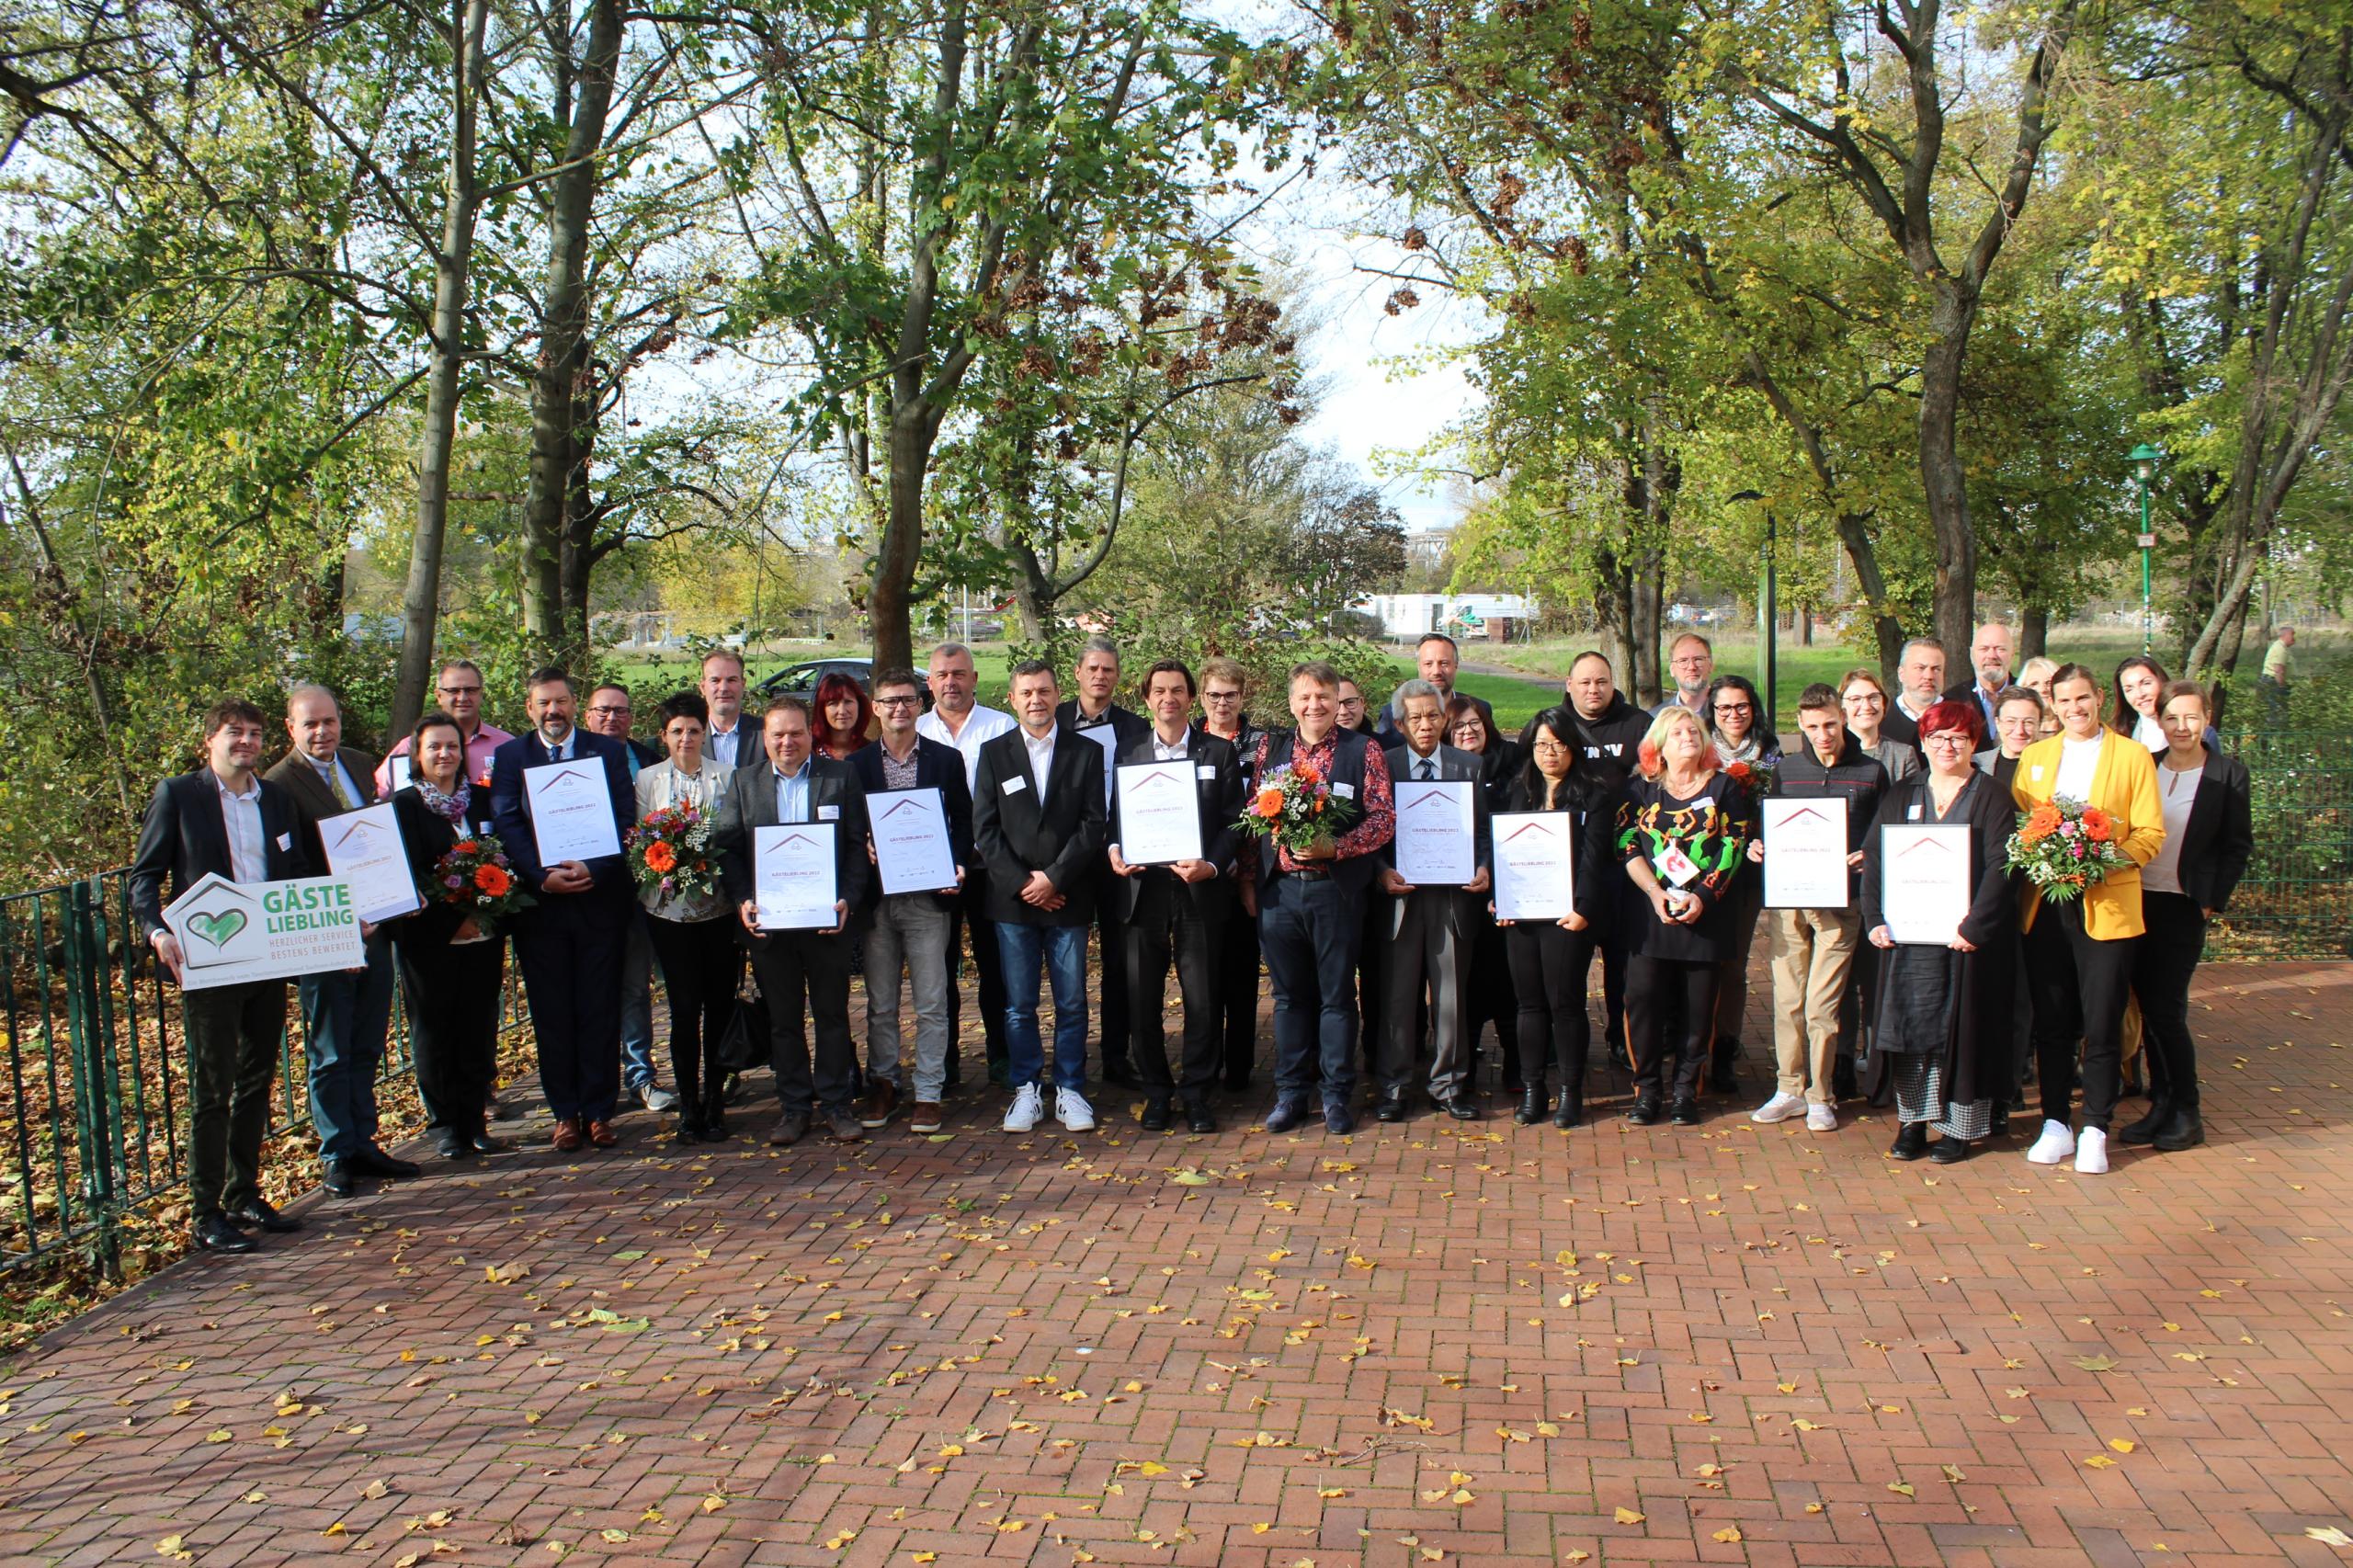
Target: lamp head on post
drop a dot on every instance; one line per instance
(2145, 459)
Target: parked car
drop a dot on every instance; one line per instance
(801, 680)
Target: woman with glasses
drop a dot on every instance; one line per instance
(2018, 724)
(1862, 696)
(1489, 994)
(1550, 959)
(1945, 1007)
(1746, 744)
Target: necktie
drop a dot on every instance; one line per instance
(1428, 771)
(343, 795)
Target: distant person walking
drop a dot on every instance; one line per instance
(2279, 675)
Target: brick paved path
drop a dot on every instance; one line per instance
(1434, 1343)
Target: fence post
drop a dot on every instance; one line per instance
(97, 1124)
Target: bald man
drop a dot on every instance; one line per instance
(1992, 655)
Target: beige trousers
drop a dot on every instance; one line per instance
(1812, 949)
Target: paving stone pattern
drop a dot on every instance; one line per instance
(1441, 1342)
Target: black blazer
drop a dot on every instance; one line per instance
(1014, 836)
(427, 835)
(1597, 877)
(751, 803)
(183, 839)
(1455, 765)
(937, 768)
(1128, 726)
(295, 772)
(2220, 837)
(510, 808)
(1217, 790)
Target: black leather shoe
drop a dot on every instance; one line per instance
(2145, 1130)
(2001, 1123)
(2186, 1130)
(258, 1213)
(1286, 1115)
(1339, 1118)
(1569, 1109)
(335, 1176)
(1198, 1117)
(1911, 1142)
(1949, 1150)
(1389, 1108)
(1156, 1114)
(375, 1161)
(214, 1234)
(483, 1143)
(1531, 1105)
(689, 1130)
(1646, 1112)
(1685, 1114)
(1462, 1108)
(451, 1146)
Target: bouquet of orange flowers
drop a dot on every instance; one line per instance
(1295, 807)
(476, 876)
(2065, 847)
(670, 850)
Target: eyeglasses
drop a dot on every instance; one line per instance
(1867, 698)
(457, 690)
(1946, 738)
(1351, 701)
(609, 711)
(1548, 746)
(1734, 707)
(907, 701)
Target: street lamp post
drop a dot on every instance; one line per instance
(1767, 627)
(2145, 459)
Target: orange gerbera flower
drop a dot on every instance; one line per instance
(467, 846)
(2097, 826)
(1270, 803)
(2040, 825)
(492, 881)
(660, 856)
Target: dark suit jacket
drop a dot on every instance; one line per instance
(751, 803)
(1219, 796)
(937, 768)
(1014, 836)
(2220, 837)
(1128, 726)
(295, 774)
(426, 836)
(183, 839)
(1455, 765)
(510, 810)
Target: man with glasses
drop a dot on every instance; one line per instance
(1350, 703)
(1691, 664)
(457, 692)
(609, 715)
(728, 741)
(1238, 973)
(960, 723)
(2018, 724)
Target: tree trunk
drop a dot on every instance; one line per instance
(421, 598)
(889, 606)
(581, 550)
(1941, 476)
(2034, 632)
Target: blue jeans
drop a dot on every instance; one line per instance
(1308, 929)
(344, 1017)
(637, 1005)
(1061, 951)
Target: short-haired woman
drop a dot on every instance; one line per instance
(693, 934)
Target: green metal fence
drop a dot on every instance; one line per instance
(2296, 901)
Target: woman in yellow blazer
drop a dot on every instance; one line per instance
(2079, 951)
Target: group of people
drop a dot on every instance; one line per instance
(1368, 971)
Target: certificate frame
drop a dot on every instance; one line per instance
(365, 848)
(1437, 843)
(912, 850)
(796, 875)
(563, 826)
(1805, 852)
(1536, 855)
(232, 932)
(1160, 813)
(1924, 881)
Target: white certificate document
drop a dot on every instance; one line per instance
(1435, 848)
(1160, 820)
(232, 932)
(1805, 853)
(1924, 881)
(571, 816)
(792, 876)
(364, 848)
(1535, 865)
(910, 848)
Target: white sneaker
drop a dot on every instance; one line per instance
(2058, 1142)
(1821, 1119)
(1072, 1111)
(2091, 1152)
(1025, 1110)
(1781, 1108)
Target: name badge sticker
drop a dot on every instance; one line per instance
(829, 813)
(286, 841)
(2036, 772)
(1912, 811)
(1206, 770)
(1015, 786)
(1345, 792)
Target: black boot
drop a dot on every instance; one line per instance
(2145, 1130)
(1531, 1105)
(1842, 1079)
(1646, 1111)
(1719, 1077)
(715, 1109)
(1911, 1141)
(2186, 1130)
(1569, 1109)
(1155, 1113)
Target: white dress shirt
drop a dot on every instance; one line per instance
(1177, 751)
(248, 844)
(982, 725)
(1042, 760)
(726, 747)
(2078, 761)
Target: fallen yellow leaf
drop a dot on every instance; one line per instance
(1628, 1517)
(1729, 1535)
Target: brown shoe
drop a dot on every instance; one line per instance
(790, 1128)
(567, 1136)
(927, 1117)
(879, 1106)
(601, 1135)
(845, 1126)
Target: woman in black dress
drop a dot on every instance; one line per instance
(1946, 1009)
(449, 967)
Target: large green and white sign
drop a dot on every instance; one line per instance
(232, 932)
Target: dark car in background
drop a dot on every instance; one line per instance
(801, 680)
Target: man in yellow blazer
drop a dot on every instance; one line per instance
(2079, 951)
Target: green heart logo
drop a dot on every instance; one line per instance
(218, 929)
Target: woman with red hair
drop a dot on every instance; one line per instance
(1946, 1009)
(845, 717)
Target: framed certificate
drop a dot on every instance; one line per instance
(1535, 865)
(364, 848)
(1924, 881)
(398, 770)
(792, 876)
(1805, 853)
(911, 851)
(232, 932)
(572, 815)
(1160, 817)
(1435, 848)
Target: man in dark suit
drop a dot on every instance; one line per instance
(611, 714)
(569, 945)
(346, 1014)
(1093, 714)
(1038, 826)
(222, 820)
(1183, 905)
(1429, 929)
(796, 786)
(909, 932)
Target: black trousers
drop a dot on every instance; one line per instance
(1670, 1017)
(804, 978)
(1490, 996)
(1166, 925)
(1616, 951)
(2169, 950)
(1111, 990)
(2080, 985)
(570, 953)
(701, 965)
(967, 912)
(1548, 967)
(1237, 995)
(451, 994)
(233, 1035)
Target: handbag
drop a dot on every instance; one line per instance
(745, 1044)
